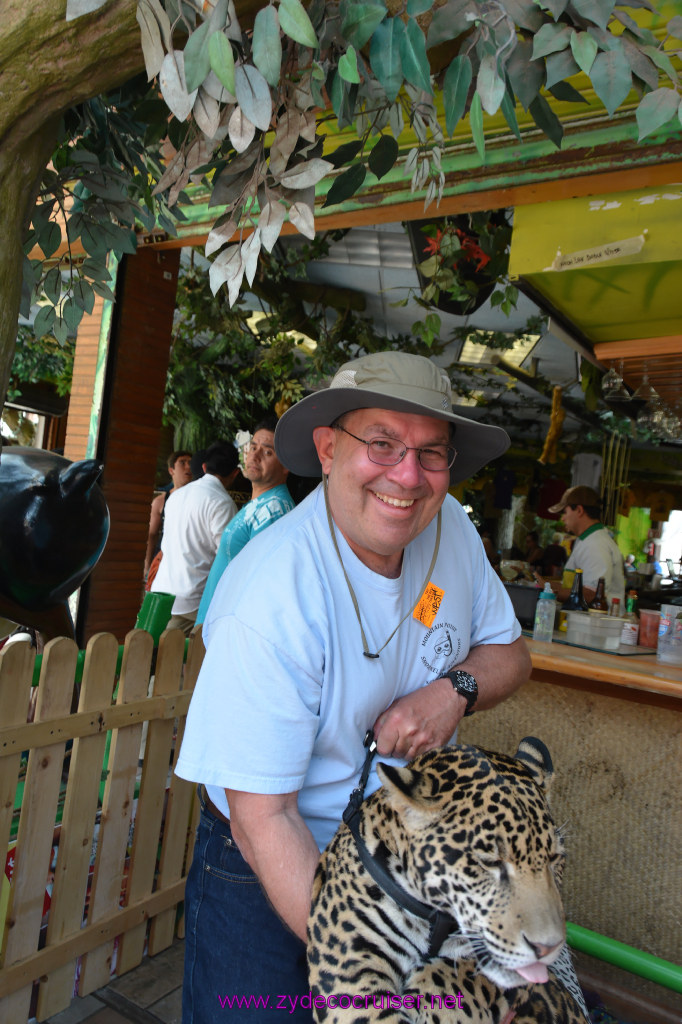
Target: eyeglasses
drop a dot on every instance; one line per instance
(388, 451)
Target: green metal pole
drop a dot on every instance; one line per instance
(630, 959)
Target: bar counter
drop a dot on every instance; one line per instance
(613, 726)
(559, 662)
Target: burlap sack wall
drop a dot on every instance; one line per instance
(618, 786)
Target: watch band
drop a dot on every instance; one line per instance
(465, 684)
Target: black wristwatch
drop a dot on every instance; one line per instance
(464, 683)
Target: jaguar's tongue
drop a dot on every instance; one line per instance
(536, 972)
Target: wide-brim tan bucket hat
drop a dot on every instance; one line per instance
(397, 381)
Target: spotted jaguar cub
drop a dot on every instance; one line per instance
(474, 915)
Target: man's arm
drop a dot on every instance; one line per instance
(428, 717)
(154, 530)
(279, 847)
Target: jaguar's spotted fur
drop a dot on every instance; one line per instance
(469, 832)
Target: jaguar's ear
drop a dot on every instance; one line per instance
(535, 756)
(408, 789)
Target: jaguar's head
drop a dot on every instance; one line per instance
(471, 834)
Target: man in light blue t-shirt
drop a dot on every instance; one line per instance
(371, 604)
(270, 499)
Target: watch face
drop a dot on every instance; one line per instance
(465, 683)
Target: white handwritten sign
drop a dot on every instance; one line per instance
(598, 254)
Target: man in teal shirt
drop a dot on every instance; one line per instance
(270, 499)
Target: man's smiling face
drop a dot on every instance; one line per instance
(380, 509)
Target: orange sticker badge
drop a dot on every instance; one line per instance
(428, 605)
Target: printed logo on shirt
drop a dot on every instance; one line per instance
(428, 604)
(441, 645)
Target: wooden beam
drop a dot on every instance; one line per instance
(639, 348)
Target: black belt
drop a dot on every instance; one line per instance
(212, 807)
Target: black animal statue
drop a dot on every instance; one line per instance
(54, 523)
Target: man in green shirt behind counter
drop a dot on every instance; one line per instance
(595, 551)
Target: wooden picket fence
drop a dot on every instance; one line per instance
(103, 821)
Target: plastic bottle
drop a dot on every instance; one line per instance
(545, 609)
(630, 632)
(615, 607)
(599, 604)
(669, 649)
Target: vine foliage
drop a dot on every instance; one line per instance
(244, 108)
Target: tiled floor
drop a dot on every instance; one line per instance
(149, 994)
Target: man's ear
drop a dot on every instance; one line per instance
(324, 439)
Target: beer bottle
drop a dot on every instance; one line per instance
(599, 602)
(575, 602)
(630, 631)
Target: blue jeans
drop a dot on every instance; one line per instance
(240, 960)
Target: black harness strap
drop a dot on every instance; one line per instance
(442, 924)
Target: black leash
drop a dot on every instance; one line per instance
(442, 924)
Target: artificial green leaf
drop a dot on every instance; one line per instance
(346, 185)
(507, 108)
(222, 60)
(384, 56)
(45, 317)
(83, 295)
(253, 95)
(296, 24)
(641, 33)
(611, 78)
(476, 122)
(306, 174)
(416, 7)
(489, 86)
(197, 60)
(348, 65)
(72, 314)
(584, 48)
(524, 13)
(546, 120)
(342, 95)
(640, 64)
(360, 22)
(52, 285)
(557, 7)
(655, 110)
(674, 27)
(344, 153)
(267, 45)
(661, 60)
(450, 21)
(415, 63)
(173, 88)
(60, 330)
(606, 40)
(526, 75)
(456, 90)
(597, 11)
(103, 291)
(50, 238)
(565, 92)
(383, 156)
(550, 39)
(77, 8)
(95, 269)
(560, 66)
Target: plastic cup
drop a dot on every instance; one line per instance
(155, 612)
(648, 627)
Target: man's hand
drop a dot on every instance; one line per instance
(428, 717)
(419, 721)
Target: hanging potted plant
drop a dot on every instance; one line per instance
(461, 260)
